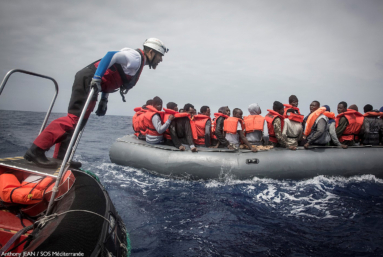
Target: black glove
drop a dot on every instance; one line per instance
(102, 107)
(96, 84)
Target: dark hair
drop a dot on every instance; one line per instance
(293, 98)
(187, 107)
(204, 108)
(277, 106)
(180, 110)
(344, 104)
(236, 110)
(353, 107)
(367, 108)
(290, 110)
(223, 109)
(171, 105)
(157, 100)
(317, 102)
(149, 102)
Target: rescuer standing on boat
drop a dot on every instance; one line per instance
(118, 70)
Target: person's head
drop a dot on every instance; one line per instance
(289, 111)
(181, 110)
(353, 107)
(278, 107)
(157, 103)
(293, 100)
(154, 50)
(149, 102)
(223, 110)
(367, 108)
(227, 111)
(172, 106)
(342, 107)
(381, 109)
(205, 110)
(327, 108)
(254, 109)
(314, 106)
(237, 113)
(189, 108)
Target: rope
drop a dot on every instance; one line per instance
(41, 223)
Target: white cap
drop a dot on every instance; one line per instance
(156, 44)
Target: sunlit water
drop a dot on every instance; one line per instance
(321, 216)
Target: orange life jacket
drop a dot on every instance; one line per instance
(214, 123)
(150, 129)
(12, 191)
(135, 124)
(354, 124)
(373, 114)
(270, 117)
(176, 114)
(253, 123)
(230, 125)
(289, 106)
(295, 117)
(199, 121)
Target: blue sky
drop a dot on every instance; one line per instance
(221, 52)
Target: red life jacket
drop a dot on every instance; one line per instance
(295, 117)
(138, 121)
(199, 121)
(230, 125)
(12, 191)
(373, 114)
(253, 123)
(270, 117)
(150, 129)
(289, 106)
(355, 122)
(214, 123)
(114, 77)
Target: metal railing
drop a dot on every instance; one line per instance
(5, 80)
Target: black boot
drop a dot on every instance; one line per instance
(62, 151)
(37, 155)
(73, 164)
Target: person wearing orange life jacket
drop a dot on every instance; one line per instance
(293, 104)
(372, 128)
(313, 107)
(155, 128)
(254, 124)
(359, 119)
(202, 124)
(183, 131)
(171, 109)
(275, 123)
(234, 129)
(137, 120)
(292, 129)
(217, 133)
(347, 124)
(317, 128)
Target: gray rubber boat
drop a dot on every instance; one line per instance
(243, 164)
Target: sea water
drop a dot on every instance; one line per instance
(321, 216)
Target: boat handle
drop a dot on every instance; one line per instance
(252, 161)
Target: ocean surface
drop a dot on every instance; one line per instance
(322, 216)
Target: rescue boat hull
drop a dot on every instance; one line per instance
(276, 163)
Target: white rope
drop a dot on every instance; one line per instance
(41, 223)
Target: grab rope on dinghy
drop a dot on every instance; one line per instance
(43, 221)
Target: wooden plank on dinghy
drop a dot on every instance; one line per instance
(19, 163)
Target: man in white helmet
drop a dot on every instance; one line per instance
(117, 70)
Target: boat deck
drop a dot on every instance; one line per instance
(20, 164)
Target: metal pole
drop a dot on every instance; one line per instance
(5, 80)
(66, 160)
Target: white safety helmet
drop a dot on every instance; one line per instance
(156, 44)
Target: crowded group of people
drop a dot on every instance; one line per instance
(287, 127)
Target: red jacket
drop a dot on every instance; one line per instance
(270, 117)
(355, 122)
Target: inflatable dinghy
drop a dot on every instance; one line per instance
(277, 163)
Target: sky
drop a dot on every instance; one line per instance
(221, 52)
